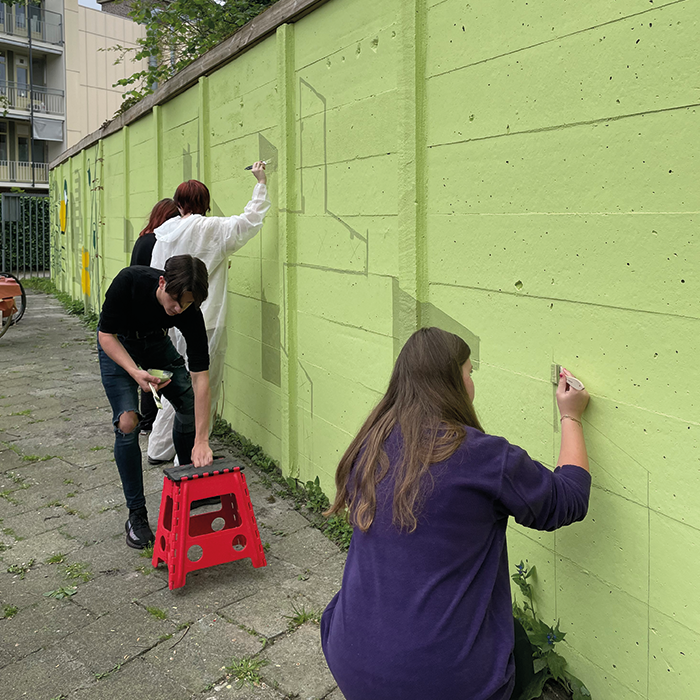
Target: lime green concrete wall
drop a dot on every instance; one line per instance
(524, 174)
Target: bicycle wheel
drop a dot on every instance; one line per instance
(20, 301)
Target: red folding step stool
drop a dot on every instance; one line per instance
(224, 535)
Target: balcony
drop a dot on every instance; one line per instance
(21, 172)
(46, 100)
(46, 26)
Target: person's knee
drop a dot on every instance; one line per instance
(127, 422)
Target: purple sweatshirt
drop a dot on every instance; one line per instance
(427, 615)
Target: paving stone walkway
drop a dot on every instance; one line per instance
(123, 634)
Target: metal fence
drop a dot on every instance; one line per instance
(25, 238)
(45, 25)
(43, 100)
(21, 171)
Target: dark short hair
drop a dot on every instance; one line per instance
(192, 197)
(184, 273)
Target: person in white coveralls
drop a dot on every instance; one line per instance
(211, 239)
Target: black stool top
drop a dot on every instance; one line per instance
(221, 465)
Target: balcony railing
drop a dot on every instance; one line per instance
(20, 171)
(46, 26)
(16, 96)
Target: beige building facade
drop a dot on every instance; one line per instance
(90, 67)
(56, 83)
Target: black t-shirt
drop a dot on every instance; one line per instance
(131, 307)
(143, 249)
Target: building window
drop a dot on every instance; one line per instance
(3, 142)
(23, 149)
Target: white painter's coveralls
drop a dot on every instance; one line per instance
(212, 239)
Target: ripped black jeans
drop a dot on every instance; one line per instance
(123, 394)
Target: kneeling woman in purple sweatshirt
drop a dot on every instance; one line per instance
(425, 608)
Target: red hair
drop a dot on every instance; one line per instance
(192, 197)
(164, 210)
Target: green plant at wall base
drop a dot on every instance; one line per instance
(336, 528)
(549, 665)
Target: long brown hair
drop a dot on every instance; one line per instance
(164, 210)
(428, 400)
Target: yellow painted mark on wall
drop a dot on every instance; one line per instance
(85, 273)
(63, 208)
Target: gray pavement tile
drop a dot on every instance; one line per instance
(9, 459)
(229, 690)
(37, 521)
(133, 680)
(297, 664)
(28, 591)
(38, 626)
(317, 585)
(265, 612)
(39, 547)
(208, 590)
(305, 548)
(278, 518)
(115, 589)
(197, 656)
(44, 675)
(60, 647)
(114, 638)
(112, 554)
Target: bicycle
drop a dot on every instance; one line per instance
(13, 301)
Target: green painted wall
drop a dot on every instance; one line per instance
(524, 174)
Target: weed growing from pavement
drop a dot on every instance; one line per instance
(300, 615)
(9, 611)
(100, 676)
(310, 494)
(77, 571)
(56, 558)
(147, 552)
(157, 613)
(62, 592)
(246, 671)
(20, 569)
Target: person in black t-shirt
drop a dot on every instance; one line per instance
(139, 307)
(141, 255)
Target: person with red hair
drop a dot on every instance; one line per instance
(211, 239)
(143, 248)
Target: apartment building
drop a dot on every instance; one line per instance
(55, 83)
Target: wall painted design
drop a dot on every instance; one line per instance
(523, 174)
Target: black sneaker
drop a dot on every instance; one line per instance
(156, 462)
(138, 532)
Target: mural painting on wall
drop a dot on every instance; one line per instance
(90, 278)
(59, 202)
